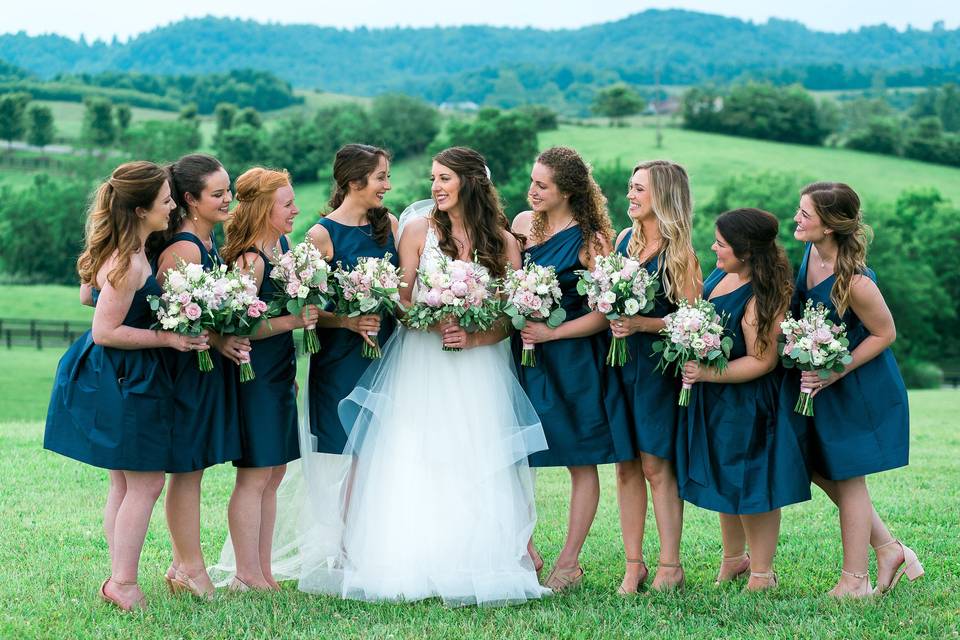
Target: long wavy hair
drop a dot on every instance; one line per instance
(112, 221)
(255, 191)
(673, 207)
(838, 206)
(356, 163)
(483, 215)
(574, 178)
(752, 234)
(187, 175)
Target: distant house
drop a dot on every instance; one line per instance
(466, 105)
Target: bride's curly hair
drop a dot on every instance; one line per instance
(483, 215)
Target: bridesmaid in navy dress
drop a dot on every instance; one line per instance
(357, 226)
(861, 423)
(640, 401)
(567, 229)
(206, 408)
(111, 405)
(268, 403)
(733, 456)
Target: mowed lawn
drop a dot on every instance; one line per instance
(53, 556)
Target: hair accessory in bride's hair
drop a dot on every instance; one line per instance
(486, 170)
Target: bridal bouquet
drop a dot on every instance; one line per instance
(813, 343)
(237, 310)
(533, 293)
(693, 333)
(302, 277)
(457, 290)
(186, 304)
(371, 287)
(618, 286)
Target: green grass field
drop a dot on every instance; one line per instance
(52, 557)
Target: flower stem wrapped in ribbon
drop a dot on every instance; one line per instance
(454, 290)
(238, 310)
(618, 286)
(302, 277)
(693, 333)
(532, 294)
(185, 306)
(813, 343)
(371, 287)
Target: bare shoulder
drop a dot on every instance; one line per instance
(622, 235)
(522, 222)
(184, 249)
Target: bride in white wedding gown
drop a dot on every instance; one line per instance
(434, 497)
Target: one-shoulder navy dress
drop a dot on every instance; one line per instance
(205, 404)
(861, 422)
(566, 386)
(733, 455)
(336, 368)
(642, 402)
(268, 403)
(113, 408)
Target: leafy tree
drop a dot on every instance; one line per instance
(613, 179)
(544, 118)
(241, 147)
(224, 115)
(948, 107)
(99, 129)
(294, 146)
(250, 117)
(402, 124)
(507, 139)
(189, 112)
(123, 114)
(880, 135)
(617, 102)
(339, 124)
(925, 140)
(50, 213)
(40, 129)
(162, 140)
(702, 107)
(12, 109)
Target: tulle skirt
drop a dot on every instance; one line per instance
(434, 497)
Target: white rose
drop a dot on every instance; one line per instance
(698, 344)
(631, 306)
(609, 297)
(303, 291)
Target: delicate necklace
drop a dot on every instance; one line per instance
(823, 263)
(564, 228)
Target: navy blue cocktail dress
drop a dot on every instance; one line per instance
(268, 403)
(206, 413)
(335, 370)
(566, 386)
(114, 408)
(861, 422)
(733, 455)
(641, 402)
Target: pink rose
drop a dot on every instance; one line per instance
(253, 311)
(192, 311)
(433, 297)
(292, 288)
(184, 298)
(604, 307)
(459, 288)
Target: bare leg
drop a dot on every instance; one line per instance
(668, 509)
(856, 515)
(632, 497)
(735, 561)
(118, 489)
(762, 531)
(584, 498)
(183, 520)
(130, 529)
(244, 515)
(268, 519)
(889, 558)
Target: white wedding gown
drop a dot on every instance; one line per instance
(434, 497)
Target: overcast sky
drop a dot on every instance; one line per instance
(123, 18)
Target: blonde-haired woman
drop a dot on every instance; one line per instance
(268, 403)
(112, 400)
(641, 402)
(861, 422)
(567, 228)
